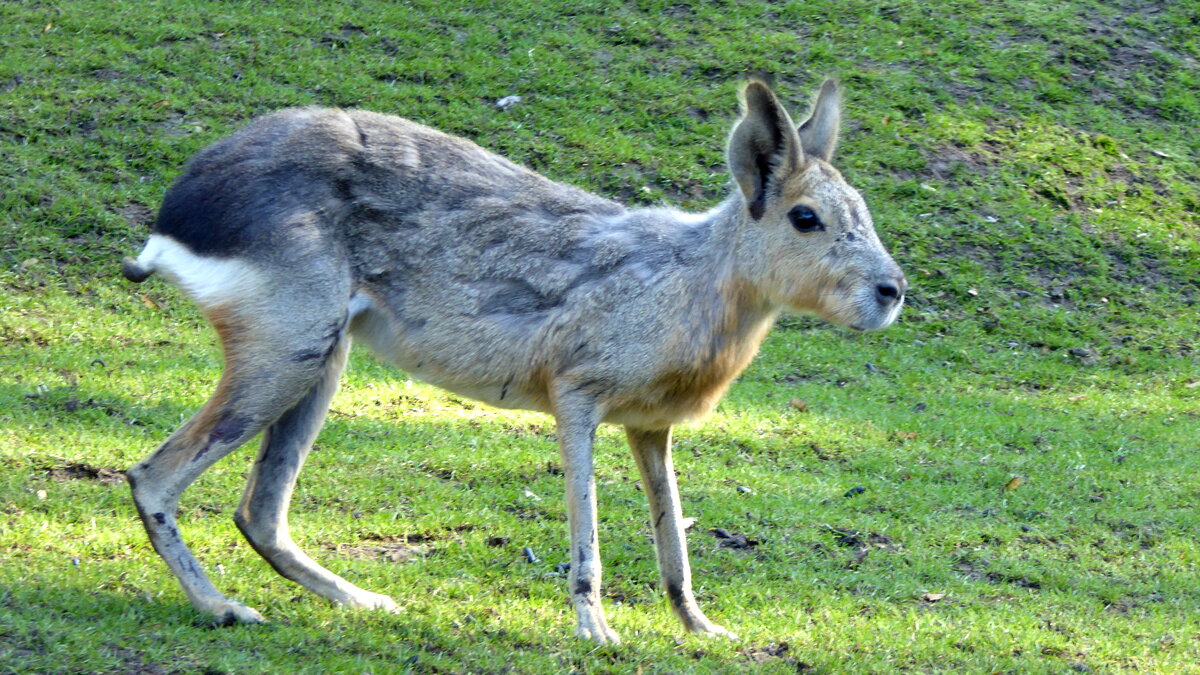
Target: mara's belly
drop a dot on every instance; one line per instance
(492, 365)
(469, 363)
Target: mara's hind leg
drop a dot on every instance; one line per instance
(271, 362)
(262, 515)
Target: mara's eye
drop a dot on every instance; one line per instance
(805, 219)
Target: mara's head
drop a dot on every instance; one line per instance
(808, 240)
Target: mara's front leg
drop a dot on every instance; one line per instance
(577, 419)
(652, 452)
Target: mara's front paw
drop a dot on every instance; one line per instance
(710, 628)
(594, 627)
(694, 621)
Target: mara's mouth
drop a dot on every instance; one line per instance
(858, 309)
(878, 321)
(872, 318)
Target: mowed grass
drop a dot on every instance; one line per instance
(1005, 481)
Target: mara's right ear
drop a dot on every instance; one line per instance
(764, 144)
(819, 133)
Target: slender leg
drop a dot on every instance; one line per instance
(159, 480)
(261, 381)
(262, 515)
(577, 421)
(652, 452)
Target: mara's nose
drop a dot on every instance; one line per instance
(891, 292)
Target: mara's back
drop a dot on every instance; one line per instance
(351, 173)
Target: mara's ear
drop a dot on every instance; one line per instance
(819, 133)
(763, 144)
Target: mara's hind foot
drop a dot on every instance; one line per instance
(372, 601)
(226, 612)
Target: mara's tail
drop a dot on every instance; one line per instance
(135, 271)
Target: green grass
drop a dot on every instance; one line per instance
(1030, 164)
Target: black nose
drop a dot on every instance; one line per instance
(888, 293)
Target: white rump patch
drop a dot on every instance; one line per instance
(208, 281)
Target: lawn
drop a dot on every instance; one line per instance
(1006, 480)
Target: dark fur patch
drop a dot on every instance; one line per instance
(583, 587)
(335, 329)
(675, 594)
(857, 220)
(517, 296)
(461, 198)
(314, 354)
(229, 428)
(362, 135)
(224, 210)
(593, 385)
(240, 190)
(191, 567)
(554, 210)
(758, 204)
(301, 357)
(577, 255)
(159, 518)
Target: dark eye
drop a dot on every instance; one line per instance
(805, 219)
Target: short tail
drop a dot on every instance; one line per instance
(134, 271)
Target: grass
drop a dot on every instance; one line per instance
(1030, 164)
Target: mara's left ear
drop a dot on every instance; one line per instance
(819, 133)
(763, 146)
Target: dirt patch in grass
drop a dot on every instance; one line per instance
(1129, 51)
(396, 547)
(734, 540)
(391, 549)
(952, 164)
(132, 661)
(862, 543)
(945, 162)
(137, 215)
(855, 539)
(74, 471)
(1132, 603)
(775, 652)
(63, 399)
(528, 512)
(396, 553)
(976, 570)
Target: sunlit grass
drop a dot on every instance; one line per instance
(1005, 481)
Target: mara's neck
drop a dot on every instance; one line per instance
(712, 318)
(726, 311)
